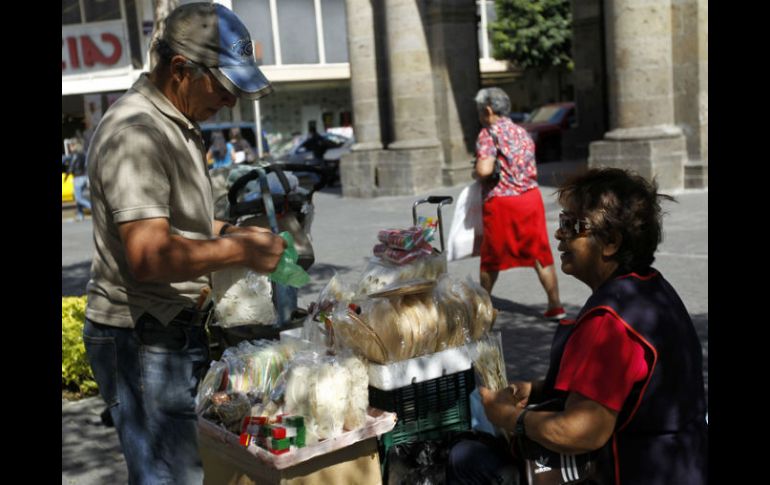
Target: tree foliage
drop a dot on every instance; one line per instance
(75, 370)
(533, 33)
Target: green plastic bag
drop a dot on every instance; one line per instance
(288, 272)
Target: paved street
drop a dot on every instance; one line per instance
(344, 231)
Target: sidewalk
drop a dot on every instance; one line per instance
(344, 231)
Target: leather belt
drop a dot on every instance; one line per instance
(194, 317)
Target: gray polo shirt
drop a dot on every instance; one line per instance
(145, 160)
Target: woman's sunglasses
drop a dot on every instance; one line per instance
(571, 226)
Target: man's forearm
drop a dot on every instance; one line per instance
(182, 259)
(217, 227)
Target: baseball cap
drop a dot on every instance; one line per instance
(213, 36)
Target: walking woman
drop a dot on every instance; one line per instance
(515, 233)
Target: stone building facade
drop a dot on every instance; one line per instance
(414, 72)
(640, 84)
(654, 62)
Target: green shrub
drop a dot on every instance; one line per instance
(76, 372)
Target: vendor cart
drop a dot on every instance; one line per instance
(271, 201)
(350, 459)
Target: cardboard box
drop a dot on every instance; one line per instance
(225, 464)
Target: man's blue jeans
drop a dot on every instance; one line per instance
(148, 376)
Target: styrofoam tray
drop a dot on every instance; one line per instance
(411, 371)
(418, 369)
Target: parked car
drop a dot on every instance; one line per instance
(546, 126)
(323, 152)
(518, 116)
(67, 188)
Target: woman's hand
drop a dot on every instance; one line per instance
(501, 407)
(521, 392)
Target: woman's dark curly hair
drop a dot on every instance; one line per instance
(616, 200)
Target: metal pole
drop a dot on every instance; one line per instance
(258, 127)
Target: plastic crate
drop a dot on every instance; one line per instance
(426, 410)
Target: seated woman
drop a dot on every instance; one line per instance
(629, 369)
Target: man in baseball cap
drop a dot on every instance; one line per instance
(213, 36)
(157, 242)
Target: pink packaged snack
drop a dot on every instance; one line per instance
(379, 250)
(398, 256)
(404, 239)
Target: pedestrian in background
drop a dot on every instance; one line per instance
(221, 153)
(244, 153)
(627, 374)
(515, 233)
(156, 240)
(77, 169)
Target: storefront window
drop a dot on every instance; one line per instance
(255, 15)
(335, 30)
(296, 24)
(99, 10)
(70, 12)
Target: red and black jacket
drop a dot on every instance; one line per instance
(661, 435)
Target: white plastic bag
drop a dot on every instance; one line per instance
(242, 297)
(467, 229)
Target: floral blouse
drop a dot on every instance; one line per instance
(518, 172)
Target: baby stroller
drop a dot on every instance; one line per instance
(270, 196)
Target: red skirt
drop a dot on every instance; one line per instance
(515, 233)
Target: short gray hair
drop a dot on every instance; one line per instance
(495, 98)
(165, 52)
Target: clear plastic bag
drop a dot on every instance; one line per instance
(317, 327)
(242, 297)
(454, 314)
(330, 391)
(380, 273)
(389, 329)
(488, 361)
(353, 331)
(249, 368)
(483, 314)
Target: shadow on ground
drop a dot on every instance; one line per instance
(91, 452)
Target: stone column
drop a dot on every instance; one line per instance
(358, 169)
(363, 74)
(643, 136)
(453, 30)
(689, 21)
(414, 158)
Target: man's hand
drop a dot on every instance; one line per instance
(262, 248)
(247, 230)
